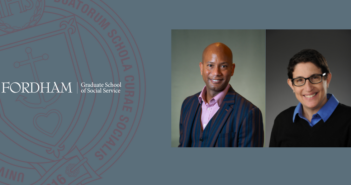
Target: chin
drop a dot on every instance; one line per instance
(219, 89)
(215, 88)
(312, 106)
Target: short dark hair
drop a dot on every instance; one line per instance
(308, 55)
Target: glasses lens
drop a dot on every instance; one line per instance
(299, 81)
(315, 78)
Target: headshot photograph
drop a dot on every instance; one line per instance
(307, 88)
(218, 88)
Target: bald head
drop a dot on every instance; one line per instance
(216, 68)
(218, 48)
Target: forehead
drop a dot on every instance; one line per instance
(306, 69)
(216, 56)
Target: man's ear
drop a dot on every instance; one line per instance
(290, 84)
(329, 77)
(201, 65)
(233, 67)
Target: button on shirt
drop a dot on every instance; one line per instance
(209, 109)
(324, 113)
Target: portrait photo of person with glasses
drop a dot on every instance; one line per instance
(308, 88)
(319, 120)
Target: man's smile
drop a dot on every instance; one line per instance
(216, 81)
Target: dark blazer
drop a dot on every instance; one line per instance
(238, 123)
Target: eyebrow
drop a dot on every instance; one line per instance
(219, 63)
(307, 77)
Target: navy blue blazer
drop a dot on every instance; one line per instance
(238, 123)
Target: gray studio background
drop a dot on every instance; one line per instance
(334, 45)
(248, 47)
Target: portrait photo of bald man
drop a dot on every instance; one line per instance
(218, 88)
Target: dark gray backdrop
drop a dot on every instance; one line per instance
(281, 45)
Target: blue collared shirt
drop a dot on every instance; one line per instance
(324, 113)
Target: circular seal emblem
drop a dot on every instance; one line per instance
(20, 14)
(72, 91)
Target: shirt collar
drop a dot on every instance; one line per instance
(217, 99)
(325, 112)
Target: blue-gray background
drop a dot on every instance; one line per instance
(150, 159)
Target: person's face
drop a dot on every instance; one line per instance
(216, 70)
(311, 96)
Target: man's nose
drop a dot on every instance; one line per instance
(217, 71)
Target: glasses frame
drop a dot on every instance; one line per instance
(309, 78)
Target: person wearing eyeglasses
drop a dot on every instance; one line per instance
(319, 120)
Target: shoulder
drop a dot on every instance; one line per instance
(244, 103)
(343, 109)
(286, 114)
(282, 121)
(190, 100)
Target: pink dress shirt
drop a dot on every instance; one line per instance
(210, 109)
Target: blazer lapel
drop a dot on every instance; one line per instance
(190, 117)
(222, 116)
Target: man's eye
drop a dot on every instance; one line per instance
(224, 66)
(209, 65)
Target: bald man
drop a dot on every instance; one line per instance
(218, 116)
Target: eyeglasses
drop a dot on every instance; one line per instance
(314, 79)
